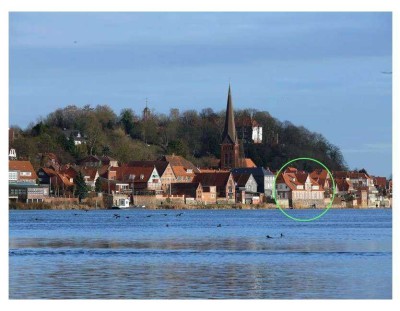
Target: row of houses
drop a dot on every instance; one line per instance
(313, 189)
(174, 177)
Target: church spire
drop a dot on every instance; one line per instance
(229, 129)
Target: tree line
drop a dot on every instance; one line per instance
(191, 134)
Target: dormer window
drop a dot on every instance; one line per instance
(131, 176)
(189, 171)
(141, 176)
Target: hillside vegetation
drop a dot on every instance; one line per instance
(194, 135)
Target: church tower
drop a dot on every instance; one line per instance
(230, 156)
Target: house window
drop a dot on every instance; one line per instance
(12, 175)
(26, 174)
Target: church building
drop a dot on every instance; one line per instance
(232, 153)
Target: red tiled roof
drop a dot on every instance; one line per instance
(64, 179)
(175, 160)
(219, 179)
(352, 175)
(320, 175)
(123, 173)
(292, 180)
(248, 162)
(69, 171)
(22, 166)
(343, 184)
(187, 189)
(290, 169)
(380, 181)
(182, 171)
(161, 166)
(210, 170)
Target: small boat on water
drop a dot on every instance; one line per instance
(124, 204)
(121, 204)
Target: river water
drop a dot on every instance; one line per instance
(157, 254)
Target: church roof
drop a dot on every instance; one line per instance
(229, 134)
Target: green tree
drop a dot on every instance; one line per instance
(94, 134)
(126, 118)
(177, 147)
(106, 151)
(81, 189)
(106, 116)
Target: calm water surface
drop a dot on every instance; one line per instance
(77, 254)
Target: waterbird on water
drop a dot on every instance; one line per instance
(219, 225)
(180, 214)
(281, 235)
(269, 237)
(148, 216)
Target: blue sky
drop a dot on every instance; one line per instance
(320, 70)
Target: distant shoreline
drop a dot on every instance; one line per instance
(207, 207)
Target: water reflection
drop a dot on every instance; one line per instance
(95, 258)
(118, 279)
(221, 244)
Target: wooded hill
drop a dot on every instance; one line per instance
(194, 135)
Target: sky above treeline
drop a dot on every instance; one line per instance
(326, 71)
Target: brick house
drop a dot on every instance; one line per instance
(21, 172)
(59, 183)
(222, 180)
(142, 178)
(164, 170)
(194, 192)
(183, 170)
(300, 189)
(360, 181)
(22, 184)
